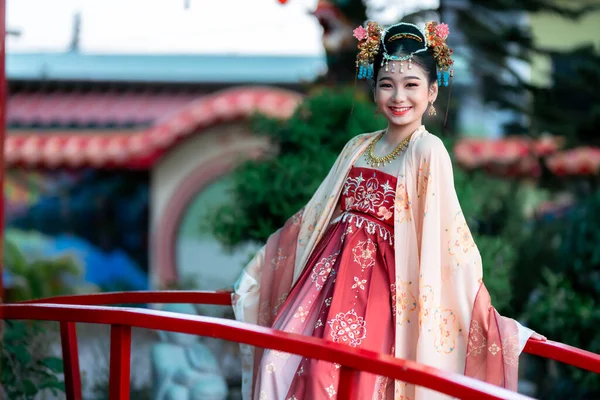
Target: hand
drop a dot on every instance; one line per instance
(537, 336)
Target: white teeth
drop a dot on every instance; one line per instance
(400, 108)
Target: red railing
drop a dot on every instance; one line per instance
(68, 310)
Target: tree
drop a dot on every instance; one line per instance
(498, 40)
(267, 192)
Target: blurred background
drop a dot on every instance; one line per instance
(155, 144)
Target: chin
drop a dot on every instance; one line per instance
(401, 120)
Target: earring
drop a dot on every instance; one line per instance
(432, 109)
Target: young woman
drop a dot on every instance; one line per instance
(381, 258)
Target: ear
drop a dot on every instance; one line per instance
(433, 92)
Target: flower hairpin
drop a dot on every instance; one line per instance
(369, 40)
(436, 35)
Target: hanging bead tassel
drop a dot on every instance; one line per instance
(401, 68)
(410, 63)
(394, 67)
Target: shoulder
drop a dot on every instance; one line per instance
(363, 137)
(428, 145)
(358, 140)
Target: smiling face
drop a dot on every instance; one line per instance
(403, 97)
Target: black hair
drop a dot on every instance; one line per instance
(403, 47)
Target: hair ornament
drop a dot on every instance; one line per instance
(368, 45)
(398, 36)
(436, 35)
(373, 38)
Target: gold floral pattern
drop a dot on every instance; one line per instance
(403, 301)
(359, 283)
(477, 341)
(369, 195)
(510, 350)
(364, 252)
(426, 305)
(279, 303)
(323, 269)
(400, 391)
(331, 391)
(302, 313)
(461, 242)
(381, 384)
(402, 204)
(494, 349)
(446, 332)
(348, 328)
(276, 261)
(423, 178)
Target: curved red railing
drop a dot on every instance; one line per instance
(552, 350)
(140, 297)
(68, 310)
(350, 359)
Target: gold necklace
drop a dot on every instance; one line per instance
(375, 161)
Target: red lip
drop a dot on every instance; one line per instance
(399, 113)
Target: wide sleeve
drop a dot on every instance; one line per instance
(450, 259)
(266, 281)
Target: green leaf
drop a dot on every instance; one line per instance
(55, 364)
(54, 384)
(29, 388)
(22, 355)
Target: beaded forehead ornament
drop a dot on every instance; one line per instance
(373, 38)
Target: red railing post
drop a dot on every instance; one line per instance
(120, 364)
(348, 384)
(68, 339)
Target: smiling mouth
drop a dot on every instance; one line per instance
(399, 110)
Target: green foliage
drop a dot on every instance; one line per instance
(559, 286)
(25, 373)
(497, 35)
(574, 94)
(39, 277)
(267, 192)
(26, 367)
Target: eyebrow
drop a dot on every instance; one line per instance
(404, 78)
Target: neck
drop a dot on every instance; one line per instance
(396, 134)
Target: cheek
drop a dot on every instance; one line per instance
(420, 97)
(381, 96)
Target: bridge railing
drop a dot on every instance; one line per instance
(69, 310)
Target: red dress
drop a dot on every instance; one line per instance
(344, 295)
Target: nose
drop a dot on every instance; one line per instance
(398, 96)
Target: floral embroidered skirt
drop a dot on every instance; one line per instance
(343, 295)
